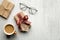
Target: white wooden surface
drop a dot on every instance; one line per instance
(45, 24)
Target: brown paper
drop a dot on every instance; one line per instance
(25, 27)
(6, 8)
(1, 12)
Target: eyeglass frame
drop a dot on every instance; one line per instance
(28, 8)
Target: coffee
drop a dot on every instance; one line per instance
(9, 28)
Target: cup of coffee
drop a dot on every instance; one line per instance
(9, 29)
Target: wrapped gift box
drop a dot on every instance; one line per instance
(5, 8)
(22, 22)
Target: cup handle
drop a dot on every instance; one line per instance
(15, 32)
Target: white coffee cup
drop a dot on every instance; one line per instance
(13, 32)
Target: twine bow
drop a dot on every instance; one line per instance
(23, 20)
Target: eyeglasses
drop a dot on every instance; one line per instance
(30, 10)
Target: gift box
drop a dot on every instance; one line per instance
(22, 22)
(5, 8)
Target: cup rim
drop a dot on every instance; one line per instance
(9, 33)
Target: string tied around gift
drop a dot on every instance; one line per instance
(23, 20)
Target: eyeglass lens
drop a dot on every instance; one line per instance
(23, 7)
